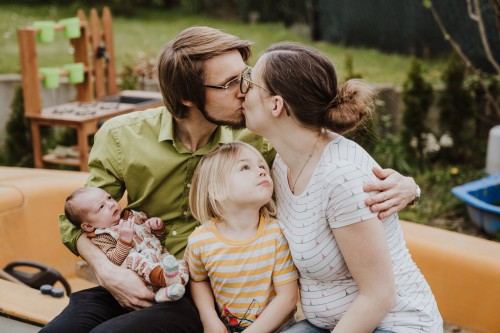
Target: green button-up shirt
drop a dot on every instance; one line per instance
(139, 155)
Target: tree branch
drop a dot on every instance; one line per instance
(484, 37)
(495, 4)
(458, 50)
(447, 36)
(470, 11)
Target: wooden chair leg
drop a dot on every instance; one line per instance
(37, 144)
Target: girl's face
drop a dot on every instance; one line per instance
(99, 209)
(250, 183)
(258, 102)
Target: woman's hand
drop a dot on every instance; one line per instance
(396, 191)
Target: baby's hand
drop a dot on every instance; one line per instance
(126, 230)
(154, 223)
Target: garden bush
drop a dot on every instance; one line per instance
(456, 113)
(18, 149)
(417, 99)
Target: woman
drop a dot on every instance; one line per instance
(356, 274)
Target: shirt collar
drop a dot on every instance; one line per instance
(222, 134)
(166, 126)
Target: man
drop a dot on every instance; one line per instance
(151, 155)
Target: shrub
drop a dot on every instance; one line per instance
(349, 68)
(417, 99)
(136, 71)
(18, 148)
(456, 112)
(486, 98)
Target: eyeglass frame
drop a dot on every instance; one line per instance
(247, 72)
(225, 87)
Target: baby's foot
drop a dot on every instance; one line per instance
(171, 270)
(170, 293)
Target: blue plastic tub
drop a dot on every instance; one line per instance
(482, 198)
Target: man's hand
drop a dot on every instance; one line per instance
(126, 287)
(396, 191)
(124, 284)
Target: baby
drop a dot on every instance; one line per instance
(128, 239)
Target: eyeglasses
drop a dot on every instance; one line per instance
(246, 84)
(246, 81)
(232, 85)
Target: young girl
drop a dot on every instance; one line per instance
(239, 254)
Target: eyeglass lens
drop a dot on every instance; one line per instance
(245, 80)
(232, 85)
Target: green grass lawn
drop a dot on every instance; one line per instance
(145, 34)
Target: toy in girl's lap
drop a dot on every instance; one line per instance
(129, 239)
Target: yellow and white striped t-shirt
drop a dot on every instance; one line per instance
(242, 273)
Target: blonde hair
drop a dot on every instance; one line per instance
(210, 183)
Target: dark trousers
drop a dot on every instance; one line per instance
(96, 310)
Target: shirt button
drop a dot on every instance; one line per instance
(188, 185)
(185, 213)
(174, 233)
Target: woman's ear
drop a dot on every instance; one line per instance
(278, 106)
(87, 227)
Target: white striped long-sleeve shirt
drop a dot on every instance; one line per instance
(334, 198)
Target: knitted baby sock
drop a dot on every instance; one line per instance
(170, 293)
(171, 270)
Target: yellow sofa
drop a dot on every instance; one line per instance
(463, 271)
(30, 202)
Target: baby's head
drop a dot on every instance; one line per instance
(90, 208)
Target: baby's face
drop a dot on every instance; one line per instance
(99, 209)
